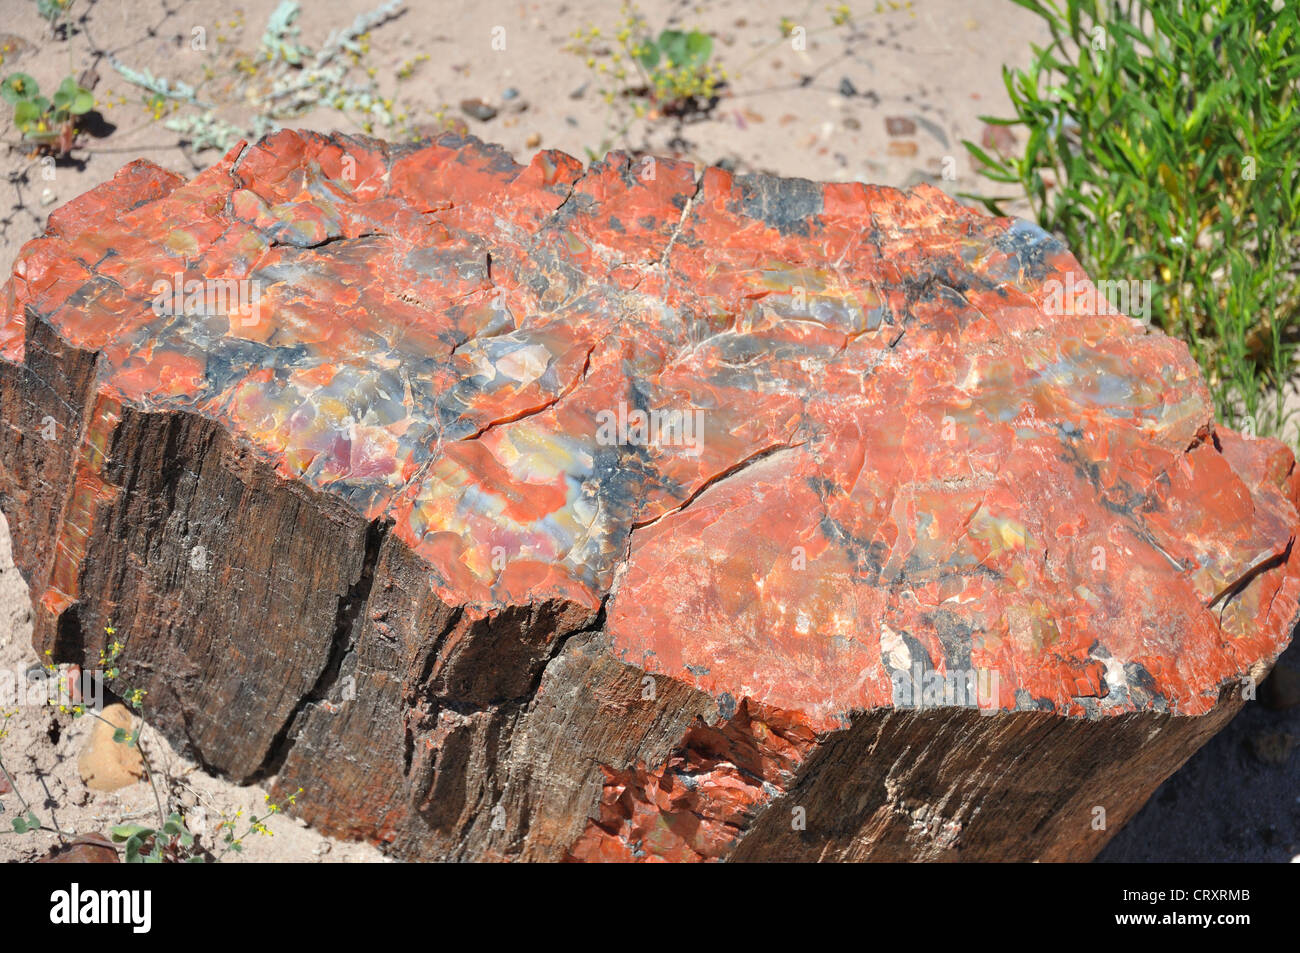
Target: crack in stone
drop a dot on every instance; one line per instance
(731, 471)
(687, 209)
(542, 408)
(1234, 588)
(343, 641)
(324, 242)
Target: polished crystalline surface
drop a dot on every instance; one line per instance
(870, 444)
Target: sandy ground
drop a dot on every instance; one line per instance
(887, 99)
(937, 65)
(41, 750)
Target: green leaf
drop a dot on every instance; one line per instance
(134, 845)
(649, 55)
(82, 103)
(699, 47)
(176, 829)
(125, 832)
(674, 46)
(66, 93)
(17, 87)
(993, 168)
(27, 113)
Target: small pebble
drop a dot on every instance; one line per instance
(998, 138)
(477, 109)
(899, 126)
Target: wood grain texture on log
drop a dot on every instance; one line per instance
(534, 512)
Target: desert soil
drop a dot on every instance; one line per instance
(886, 99)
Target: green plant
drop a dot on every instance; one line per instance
(53, 11)
(233, 840)
(281, 81)
(49, 122)
(677, 67)
(671, 72)
(27, 820)
(171, 841)
(175, 843)
(644, 75)
(1161, 146)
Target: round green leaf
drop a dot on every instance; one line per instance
(649, 55)
(128, 831)
(673, 44)
(17, 87)
(699, 47)
(26, 113)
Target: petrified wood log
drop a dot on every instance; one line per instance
(541, 513)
